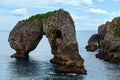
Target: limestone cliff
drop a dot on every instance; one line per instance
(109, 41)
(59, 28)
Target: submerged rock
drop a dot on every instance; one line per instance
(109, 41)
(59, 28)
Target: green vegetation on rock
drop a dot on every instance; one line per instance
(43, 17)
(40, 16)
(116, 22)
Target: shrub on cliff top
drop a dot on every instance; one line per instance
(43, 17)
(40, 16)
(116, 22)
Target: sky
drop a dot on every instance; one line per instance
(87, 14)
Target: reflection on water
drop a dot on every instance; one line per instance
(23, 69)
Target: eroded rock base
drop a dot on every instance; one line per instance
(109, 58)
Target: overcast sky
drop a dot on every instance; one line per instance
(87, 14)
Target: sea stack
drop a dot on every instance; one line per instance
(108, 41)
(59, 28)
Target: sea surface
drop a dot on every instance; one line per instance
(38, 67)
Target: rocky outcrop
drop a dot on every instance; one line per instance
(24, 38)
(92, 43)
(109, 41)
(101, 33)
(59, 28)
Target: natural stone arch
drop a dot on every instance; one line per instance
(59, 28)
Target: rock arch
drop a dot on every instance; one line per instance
(59, 28)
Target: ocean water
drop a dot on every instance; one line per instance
(38, 67)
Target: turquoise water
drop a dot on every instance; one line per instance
(37, 67)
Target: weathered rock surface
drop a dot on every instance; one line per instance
(59, 28)
(109, 41)
(92, 43)
(25, 37)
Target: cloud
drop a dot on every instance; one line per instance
(74, 2)
(26, 3)
(47, 4)
(8, 21)
(97, 11)
(88, 1)
(19, 12)
(115, 13)
(76, 17)
(12, 11)
(83, 22)
(71, 2)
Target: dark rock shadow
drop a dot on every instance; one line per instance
(24, 67)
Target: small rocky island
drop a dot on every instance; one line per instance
(107, 40)
(59, 28)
